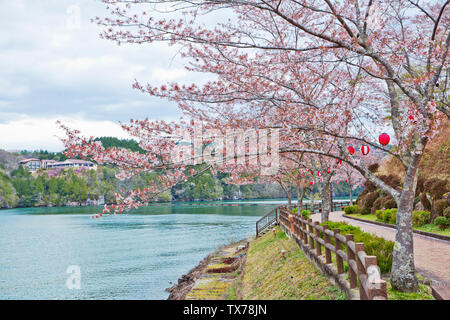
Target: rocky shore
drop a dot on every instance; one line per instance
(213, 276)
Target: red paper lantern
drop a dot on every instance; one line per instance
(351, 150)
(365, 149)
(346, 181)
(310, 183)
(384, 139)
(328, 170)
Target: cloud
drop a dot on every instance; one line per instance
(36, 133)
(53, 65)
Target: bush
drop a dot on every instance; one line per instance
(447, 212)
(420, 218)
(442, 222)
(389, 203)
(373, 167)
(369, 186)
(306, 214)
(435, 187)
(389, 215)
(425, 202)
(440, 206)
(361, 196)
(373, 245)
(379, 214)
(419, 188)
(393, 217)
(391, 180)
(351, 209)
(378, 204)
(368, 201)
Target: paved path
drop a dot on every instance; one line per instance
(432, 256)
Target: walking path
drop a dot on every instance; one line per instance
(432, 256)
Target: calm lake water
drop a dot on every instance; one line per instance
(131, 256)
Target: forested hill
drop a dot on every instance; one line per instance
(130, 144)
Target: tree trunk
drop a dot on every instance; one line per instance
(351, 195)
(403, 275)
(326, 205)
(300, 195)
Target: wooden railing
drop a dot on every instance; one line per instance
(271, 218)
(317, 207)
(360, 265)
(267, 221)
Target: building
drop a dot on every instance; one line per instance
(31, 164)
(34, 164)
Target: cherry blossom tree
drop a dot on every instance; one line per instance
(338, 71)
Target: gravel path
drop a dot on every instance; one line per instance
(432, 256)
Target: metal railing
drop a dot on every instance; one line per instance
(267, 221)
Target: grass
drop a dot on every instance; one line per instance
(268, 276)
(424, 293)
(432, 228)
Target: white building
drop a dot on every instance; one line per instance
(34, 164)
(31, 164)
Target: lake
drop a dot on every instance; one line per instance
(130, 256)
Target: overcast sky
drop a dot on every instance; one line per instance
(52, 67)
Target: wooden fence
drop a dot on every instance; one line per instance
(360, 265)
(315, 207)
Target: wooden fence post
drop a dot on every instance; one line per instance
(318, 245)
(326, 239)
(338, 246)
(311, 239)
(360, 247)
(377, 286)
(350, 256)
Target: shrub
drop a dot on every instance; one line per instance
(389, 202)
(369, 199)
(425, 202)
(306, 214)
(351, 209)
(442, 222)
(361, 196)
(440, 206)
(447, 212)
(369, 186)
(373, 245)
(379, 214)
(420, 218)
(378, 204)
(391, 180)
(419, 188)
(389, 216)
(373, 167)
(435, 187)
(393, 217)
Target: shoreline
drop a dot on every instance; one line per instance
(169, 202)
(187, 281)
